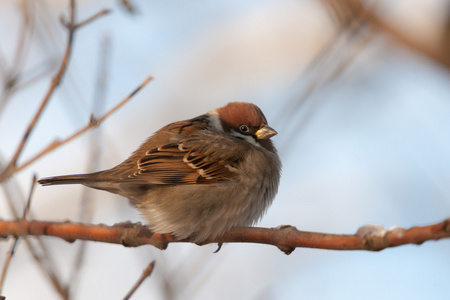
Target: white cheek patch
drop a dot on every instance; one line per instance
(215, 121)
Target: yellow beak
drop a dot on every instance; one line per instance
(265, 132)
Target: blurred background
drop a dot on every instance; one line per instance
(358, 91)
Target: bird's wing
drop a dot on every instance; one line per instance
(192, 161)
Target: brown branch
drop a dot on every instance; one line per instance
(93, 122)
(8, 259)
(44, 260)
(146, 273)
(354, 12)
(92, 18)
(18, 60)
(130, 7)
(408, 40)
(286, 238)
(86, 209)
(30, 196)
(55, 82)
(47, 266)
(14, 245)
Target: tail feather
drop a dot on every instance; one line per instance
(67, 179)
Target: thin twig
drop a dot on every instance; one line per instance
(71, 26)
(409, 40)
(48, 268)
(46, 265)
(30, 196)
(146, 273)
(44, 261)
(7, 263)
(119, 105)
(53, 85)
(93, 122)
(34, 73)
(94, 17)
(86, 206)
(128, 6)
(18, 60)
(16, 240)
(350, 39)
(12, 75)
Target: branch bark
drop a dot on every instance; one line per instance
(286, 238)
(55, 82)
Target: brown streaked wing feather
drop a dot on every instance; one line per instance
(174, 164)
(209, 169)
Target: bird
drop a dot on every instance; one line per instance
(198, 178)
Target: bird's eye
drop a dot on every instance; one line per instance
(243, 128)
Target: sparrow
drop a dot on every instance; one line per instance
(197, 178)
